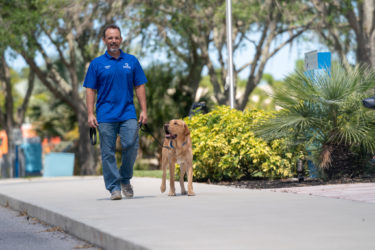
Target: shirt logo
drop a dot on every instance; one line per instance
(107, 67)
(126, 66)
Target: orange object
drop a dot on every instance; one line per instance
(3, 143)
(55, 140)
(49, 144)
(45, 146)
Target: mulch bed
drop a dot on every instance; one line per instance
(285, 183)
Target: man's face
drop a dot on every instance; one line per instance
(113, 40)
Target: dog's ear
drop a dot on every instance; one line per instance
(187, 132)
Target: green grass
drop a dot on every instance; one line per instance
(149, 173)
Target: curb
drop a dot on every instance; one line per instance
(78, 229)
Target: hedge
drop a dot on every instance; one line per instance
(225, 148)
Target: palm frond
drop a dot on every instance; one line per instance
(297, 119)
(324, 109)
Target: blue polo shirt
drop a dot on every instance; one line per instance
(115, 79)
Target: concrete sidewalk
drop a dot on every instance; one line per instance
(364, 192)
(217, 218)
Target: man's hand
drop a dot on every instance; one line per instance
(143, 117)
(93, 123)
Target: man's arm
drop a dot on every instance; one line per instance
(140, 91)
(90, 100)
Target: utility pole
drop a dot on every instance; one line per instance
(230, 55)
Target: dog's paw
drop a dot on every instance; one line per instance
(183, 192)
(191, 193)
(171, 193)
(162, 189)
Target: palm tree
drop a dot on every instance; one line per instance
(324, 112)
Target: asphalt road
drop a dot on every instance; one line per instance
(19, 231)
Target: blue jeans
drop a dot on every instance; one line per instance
(108, 132)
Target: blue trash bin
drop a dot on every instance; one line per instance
(33, 157)
(58, 164)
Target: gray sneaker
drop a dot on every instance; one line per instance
(116, 195)
(127, 190)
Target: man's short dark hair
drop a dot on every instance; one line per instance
(111, 26)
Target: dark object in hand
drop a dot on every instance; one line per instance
(93, 136)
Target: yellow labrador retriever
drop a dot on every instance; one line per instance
(177, 148)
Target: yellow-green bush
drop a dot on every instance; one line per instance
(225, 147)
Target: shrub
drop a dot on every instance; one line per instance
(324, 110)
(225, 147)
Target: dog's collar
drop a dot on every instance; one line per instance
(171, 144)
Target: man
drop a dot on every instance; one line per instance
(114, 76)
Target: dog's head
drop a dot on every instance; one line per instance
(176, 128)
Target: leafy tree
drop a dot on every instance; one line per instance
(193, 31)
(12, 112)
(278, 23)
(326, 114)
(180, 29)
(347, 27)
(71, 29)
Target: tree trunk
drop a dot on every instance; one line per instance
(6, 166)
(7, 169)
(194, 78)
(368, 32)
(359, 18)
(344, 163)
(363, 50)
(86, 152)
